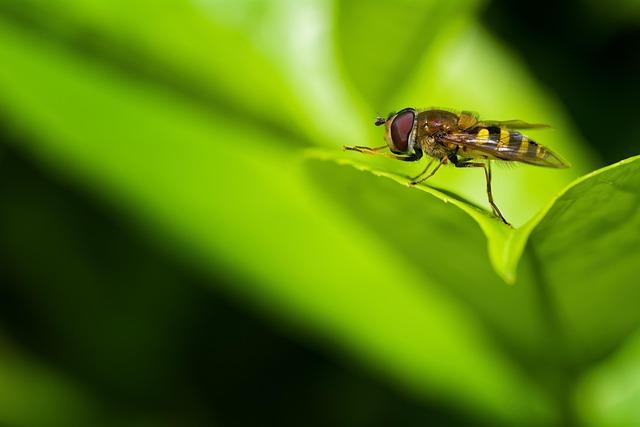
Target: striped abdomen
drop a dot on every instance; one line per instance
(506, 144)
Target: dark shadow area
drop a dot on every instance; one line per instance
(587, 53)
(90, 296)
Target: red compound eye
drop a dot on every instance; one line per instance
(401, 128)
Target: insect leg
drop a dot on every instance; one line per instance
(362, 149)
(433, 172)
(487, 175)
(417, 155)
(376, 151)
(423, 171)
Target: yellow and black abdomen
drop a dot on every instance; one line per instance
(508, 144)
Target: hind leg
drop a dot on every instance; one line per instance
(487, 174)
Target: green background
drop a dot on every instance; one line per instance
(183, 241)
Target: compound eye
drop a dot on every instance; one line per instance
(401, 128)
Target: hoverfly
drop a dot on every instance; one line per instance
(461, 139)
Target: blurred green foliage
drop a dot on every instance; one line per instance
(206, 123)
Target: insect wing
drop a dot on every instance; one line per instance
(512, 124)
(504, 144)
(467, 119)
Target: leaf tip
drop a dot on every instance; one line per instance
(508, 276)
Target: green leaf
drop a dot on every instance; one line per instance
(499, 236)
(505, 244)
(593, 222)
(442, 241)
(233, 195)
(587, 246)
(582, 253)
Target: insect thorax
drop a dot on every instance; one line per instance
(432, 147)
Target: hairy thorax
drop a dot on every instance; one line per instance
(431, 135)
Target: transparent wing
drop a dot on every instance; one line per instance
(512, 124)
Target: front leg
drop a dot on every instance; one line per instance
(363, 149)
(409, 157)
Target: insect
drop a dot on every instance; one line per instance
(461, 139)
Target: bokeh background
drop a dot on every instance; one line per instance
(173, 253)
